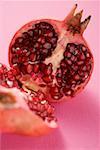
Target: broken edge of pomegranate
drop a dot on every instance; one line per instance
(16, 116)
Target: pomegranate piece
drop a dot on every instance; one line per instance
(56, 52)
(28, 109)
(24, 114)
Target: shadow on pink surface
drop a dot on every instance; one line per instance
(50, 142)
(78, 128)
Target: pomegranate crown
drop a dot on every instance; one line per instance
(74, 22)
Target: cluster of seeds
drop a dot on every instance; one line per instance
(75, 67)
(7, 77)
(34, 45)
(41, 106)
(36, 100)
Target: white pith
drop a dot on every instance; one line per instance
(57, 54)
(51, 124)
(18, 98)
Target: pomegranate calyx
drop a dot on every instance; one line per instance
(71, 13)
(85, 23)
(74, 21)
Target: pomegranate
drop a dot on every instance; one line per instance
(23, 112)
(54, 54)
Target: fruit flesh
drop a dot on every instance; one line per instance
(23, 122)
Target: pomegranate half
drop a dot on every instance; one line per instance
(54, 54)
(23, 112)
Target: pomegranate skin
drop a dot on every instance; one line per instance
(69, 34)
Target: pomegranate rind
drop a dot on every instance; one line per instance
(20, 121)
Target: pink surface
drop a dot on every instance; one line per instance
(79, 117)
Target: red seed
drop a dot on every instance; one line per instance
(67, 91)
(36, 68)
(50, 110)
(77, 77)
(29, 68)
(54, 89)
(42, 67)
(55, 92)
(48, 69)
(14, 60)
(32, 57)
(47, 79)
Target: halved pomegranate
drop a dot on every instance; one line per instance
(23, 111)
(54, 55)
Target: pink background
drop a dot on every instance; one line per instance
(79, 117)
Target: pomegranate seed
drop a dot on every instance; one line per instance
(36, 68)
(41, 39)
(49, 110)
(47, 45)
(53, 40)
(29, 68)
(47, 79)
(48, 69)
(42, 67)
(63, 64)
(67, 92)
(23, 68)
(80, 62)
(88, 67)
(14, 60)
(82, 57)
(18, 51)
(19, 40)
(32, 57)
(77, 77)
(55, 92)
(67, 54)
(25, 35)
(44, 114)
(54, 89)
(31, 32)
